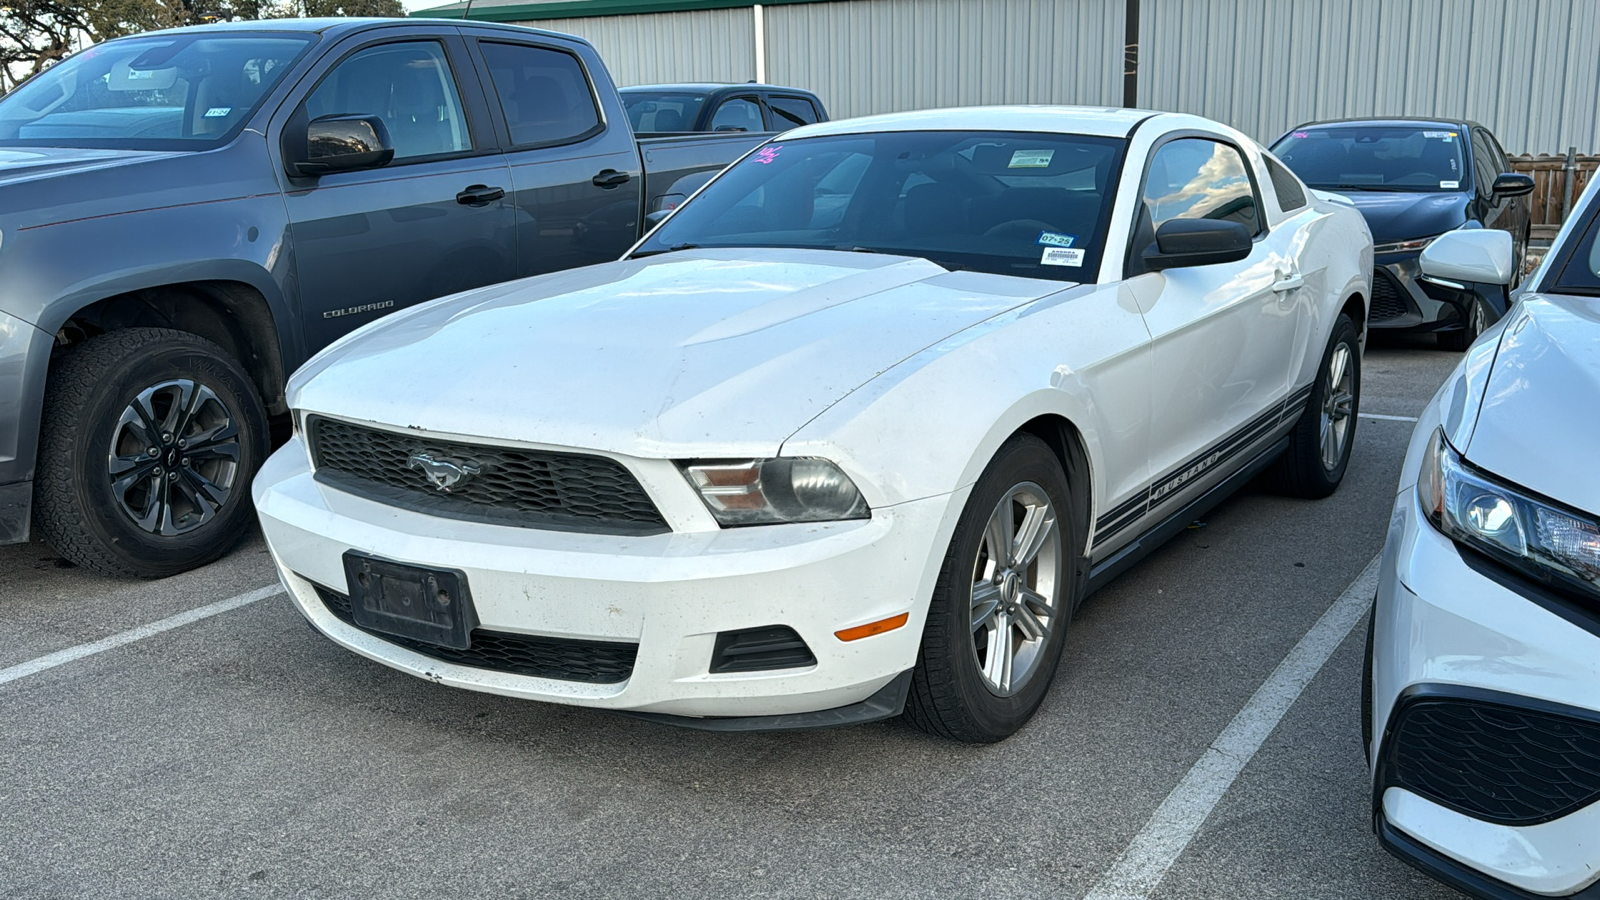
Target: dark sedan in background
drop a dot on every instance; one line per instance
(1415, 179)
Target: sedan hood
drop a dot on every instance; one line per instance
(1537, 425)
(695, 353)
(1402, 216)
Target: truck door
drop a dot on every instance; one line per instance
(435, 221)
(576, 181)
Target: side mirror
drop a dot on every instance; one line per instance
(1513, 184)
(1197, 242)
(340, 144)
(1478, 255)
(654, 219)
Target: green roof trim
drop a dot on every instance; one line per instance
(574, 9)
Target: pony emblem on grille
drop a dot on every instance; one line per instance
(443, 473)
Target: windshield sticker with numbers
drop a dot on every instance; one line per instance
(1031, 159)
(1055, 239)
(1450, 185)
(1061, 256)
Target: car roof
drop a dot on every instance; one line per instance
(710, 86)
(1391, 120)
(1091, 120)
(339, 26)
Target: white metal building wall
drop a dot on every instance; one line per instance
(656, 48)
(1528, 69)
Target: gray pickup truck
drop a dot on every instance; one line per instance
(186, 216)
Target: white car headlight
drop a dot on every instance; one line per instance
(770, 491)
(1552, 544)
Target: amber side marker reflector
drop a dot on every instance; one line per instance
(872, 628)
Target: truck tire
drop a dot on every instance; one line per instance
(1319, 445)
(999, 615)
(149, 439)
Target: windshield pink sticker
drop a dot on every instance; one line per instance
(766, 155)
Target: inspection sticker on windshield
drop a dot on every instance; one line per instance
(217, 112)
(1052, 239)
(1439, 134)
(1449, 185)
(1061, 256)
(1031, 159)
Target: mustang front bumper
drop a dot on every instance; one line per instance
(1486, 716)
(670, 594)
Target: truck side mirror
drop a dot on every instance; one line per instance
(341, 143)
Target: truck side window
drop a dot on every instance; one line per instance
(543, 93)
(738, 114)
(792, 112)
(409, 86)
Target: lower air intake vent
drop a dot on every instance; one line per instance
(1387, 297)
(592, 662)
(759, 649)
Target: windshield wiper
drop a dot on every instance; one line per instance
(1391, 188)
(673, 249)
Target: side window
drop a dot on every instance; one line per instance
(1194, 178)
(738, 114)
(409, 86)
(1502, 163)
(543, 93)
(1484, 165)
(792, 112)
(1290, 195)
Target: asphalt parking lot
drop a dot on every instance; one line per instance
(242, 754)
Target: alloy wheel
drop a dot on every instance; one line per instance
(1338, 404)
(1015, 588)
(174, 457)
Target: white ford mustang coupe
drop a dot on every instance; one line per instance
(851, 432)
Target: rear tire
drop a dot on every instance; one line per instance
(996, 626)
(148, 443)
(1319, 445)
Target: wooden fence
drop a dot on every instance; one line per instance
(1547, 202)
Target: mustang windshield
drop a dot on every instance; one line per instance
(1376, 157)
(182, 91)
(1034, 205)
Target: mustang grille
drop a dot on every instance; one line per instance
(592, 662)
(1497, 763)
(511, 486)
(1387, 299)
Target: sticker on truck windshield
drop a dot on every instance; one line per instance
(1061, 256)
(1054, 239)
(1031, 159)
(1450, 185)
(1445, 135)
(217, 112)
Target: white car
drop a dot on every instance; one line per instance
(1483, 669)
(854, 430)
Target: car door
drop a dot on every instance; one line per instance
(1223, 336)
(433, 221)
(576, 183)
(738, 113)
(1518, 214)
(1495, 211)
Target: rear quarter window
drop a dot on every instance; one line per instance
(1290, 195)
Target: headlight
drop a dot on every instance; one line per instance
(1554, 545)
(1415, 245)
(769, 491)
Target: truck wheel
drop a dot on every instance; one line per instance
(1001, 605)
(1319, 445)
(149, 439)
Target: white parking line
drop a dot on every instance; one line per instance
(1154, 849)
(1389, 418)
(62, 657)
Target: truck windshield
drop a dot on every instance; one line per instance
(1376, 157)
(181, 91)
(1027, 204)
(661, 111)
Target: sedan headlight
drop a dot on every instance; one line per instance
(770, 491)
(1554, 545)
(1415, 245)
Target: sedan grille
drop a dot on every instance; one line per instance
(1502, 764)
(563, 659)
(501, 485)
(1388, 298)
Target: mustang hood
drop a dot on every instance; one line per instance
(695, 353)
(1401, 216)
(1537, 426)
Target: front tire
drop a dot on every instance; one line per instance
(1002, 603)
(149, 440)
(1479, 318)
(1319, 445)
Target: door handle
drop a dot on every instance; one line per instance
(610, 178)
(1287, 282)
(480, 195)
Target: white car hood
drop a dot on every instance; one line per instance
(695, 353)
(1540, 418)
